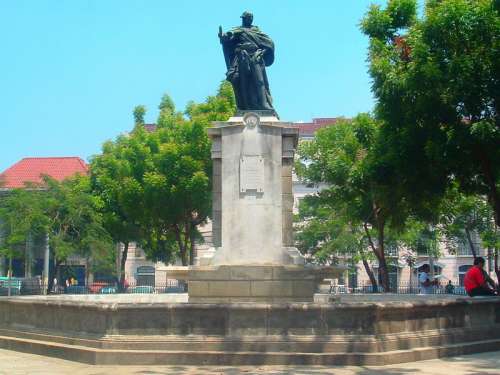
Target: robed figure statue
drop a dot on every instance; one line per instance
(247, 52)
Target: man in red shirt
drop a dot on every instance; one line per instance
(475, 281)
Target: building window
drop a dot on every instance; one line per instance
(393, 277)
(463, 249)
(462, 270)
(145, 275)
(353, 278)
(392, 250)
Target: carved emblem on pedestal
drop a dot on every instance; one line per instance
(251, 120)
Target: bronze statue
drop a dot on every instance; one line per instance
(247, 52)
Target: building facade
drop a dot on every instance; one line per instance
(27, 174)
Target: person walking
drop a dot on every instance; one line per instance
(426, 284)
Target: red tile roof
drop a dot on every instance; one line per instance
(150, 127)
(32, 170)
(309, 128)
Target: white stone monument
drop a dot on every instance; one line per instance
(253, 257)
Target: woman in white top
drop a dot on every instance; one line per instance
(426, 285)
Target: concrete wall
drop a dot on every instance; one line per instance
(367, 318)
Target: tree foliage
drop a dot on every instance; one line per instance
(156, 186)
(139, 113)
(326, 235)
(355, 200)
(436, 80)
(65, 211)
(21, 213)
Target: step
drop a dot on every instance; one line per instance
(92, 355)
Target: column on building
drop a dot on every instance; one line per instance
(28, 256)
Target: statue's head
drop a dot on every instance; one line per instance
(247, 19)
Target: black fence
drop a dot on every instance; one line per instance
(21, 286)
(35, 286)
(400, 288)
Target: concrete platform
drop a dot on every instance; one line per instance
(150, 331)
(15, 363)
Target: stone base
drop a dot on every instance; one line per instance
(152, 331)
(259, 112)
(256, 283)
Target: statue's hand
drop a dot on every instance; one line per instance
(224, 37)
(258, 56)
(232, 75)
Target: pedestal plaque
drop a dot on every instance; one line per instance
(252, 173)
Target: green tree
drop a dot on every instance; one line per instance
(139, 113)
(178, 187)
(167, 106)
(75, 223)
(177, 190)
(215, 108)
(325, 234)
(462, 218)
(341, 157)
(65, 211)
(156, 186)
(22, 213)
(436, 81)
(116, 179)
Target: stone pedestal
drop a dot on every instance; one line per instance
(255, 283)
(252, 190)
(253, 257)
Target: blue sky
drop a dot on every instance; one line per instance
(72, 70)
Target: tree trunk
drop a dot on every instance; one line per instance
(182, 247)
(46, 263)
(383, 274)
(378, 250)
(2, 265)
(184, 256)
(87, 271)
(471, 244)
(27, 257)
(490, 179)
(2, 257)
(191, 246)
(9, 274)
(369, 272)
(57, 273)
(122, 265)
(382, 264)
(497, 267)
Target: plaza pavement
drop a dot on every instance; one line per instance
(15, 363)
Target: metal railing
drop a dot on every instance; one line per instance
(399, 288)
(19, 286)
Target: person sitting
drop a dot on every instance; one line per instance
(475, 281)
(449, 288)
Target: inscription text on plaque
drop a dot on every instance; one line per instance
(252, 173)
